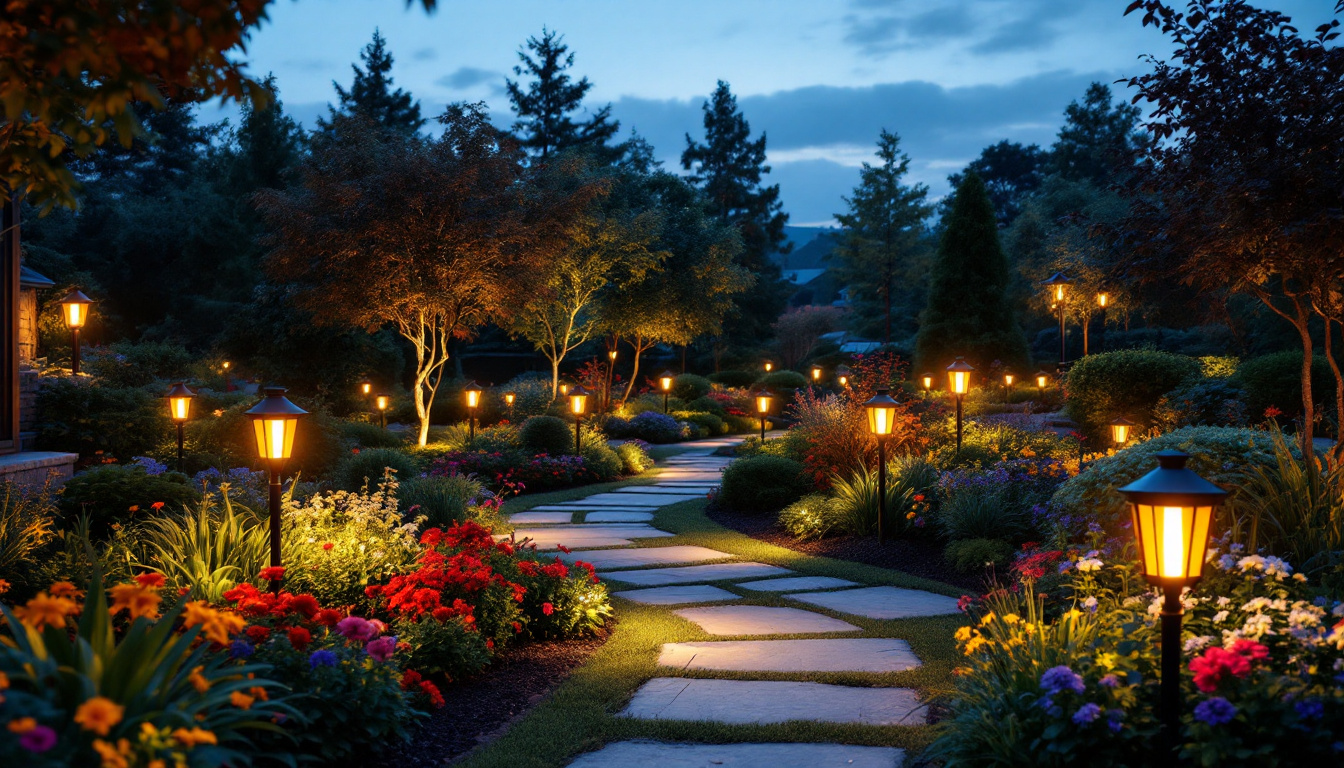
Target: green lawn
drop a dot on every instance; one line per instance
(579, 715)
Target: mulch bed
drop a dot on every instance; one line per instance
(481, 709)
(915, 557)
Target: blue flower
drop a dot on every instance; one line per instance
(1113, 718)
(1062, 678)
(1110, 681)
(1215, 711)
(321, 659)
(240, 649)
(1049, 705)
(1087, 713)
(1310, 709)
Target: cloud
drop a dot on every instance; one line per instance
(878, 28)
(883, 34)
(424, 54)
(469, 77)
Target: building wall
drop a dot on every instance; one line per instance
(27, 325)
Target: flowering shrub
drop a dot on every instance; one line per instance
(649, 426)
(835, 436)
(997, 502)
(536, 473)
(1263, 678)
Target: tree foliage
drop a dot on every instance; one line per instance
(372, 96)
(1099, 138)
(1011, 172)
(545, 126)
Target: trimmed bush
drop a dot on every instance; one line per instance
(649, 426)
(973, 555)
(762, 484)
(1276, 381)
(136, 364)
(81, 417)
(1127, 382)
(1203, 403)
(811, 517)
(547, 434)
(706, 405)
(120, 493)
(602, 460)
(634, 459)
(688, 387)
(533, 396)
(708, 424)
(740, 379)
(784, 380)
(367, 435)
(367, 466)
(443, 500)
(987, 443)
(980, 512)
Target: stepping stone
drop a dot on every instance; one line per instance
(796, 584)
(690, 574)
(541, 517)
(759, 702)
(883, 602)
(583, 535)
(699, 593)
(634, 558)
(631, 500)
(762, 620)
(617, 516)
(625, 754)
(576, 506)
(651, 489)
(867, 654)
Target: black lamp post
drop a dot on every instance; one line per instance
(611, 378)
(1173, 511)
(473, 394)
(927, 382)
(665, 380)
(382, 402)
(1042, 381)
(1103, 301)
(842, 374)
(274, 421)
(816, 374)
(959, 383)
(509, 397)
(75, 308)
(226, 365)
(763, 398)
(1008, 380)
(881, 415)
(1057, 284)
(578, 405)
(179, 407)
(366, 388)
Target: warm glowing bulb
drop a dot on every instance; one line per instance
(844, 381)
(1059, 293)
(612, 354)
(1102, 299)
(959, 382)
(366, 387)
(1008, 379)
(578, 403)
(769, 367)
(928, 382)
(816, 374)
(665, 382)
(473, 398)
(227, 364)
(564, 389)
(275, 438)
(1041, 381)
(1120, 433)
(1173, 542)
(509, 397)
(74, 315)
(763, 404)
(382, 402)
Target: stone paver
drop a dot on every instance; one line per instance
(540, 518)
(572, 507)
(747, 702)
(631, 500)
(657, 754)
(797, 584)
(882, 602)
(617, 516)
(697, 593)
(646, 489)
(867, 654)
(634, 558)
(762, 620)
(690, 574)
(578, 536)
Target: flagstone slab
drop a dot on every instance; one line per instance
(867, 654)
(631, 500)
(576, 506)
(797, 584)
(617, 516)
(760, 702)
(644, 489)
(762, 620)
(882, 602)
(634, 558)
(628, 754)
(690, 574)
(696, 593)
(535, 517)
(581, 535)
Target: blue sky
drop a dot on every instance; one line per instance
(820, 77)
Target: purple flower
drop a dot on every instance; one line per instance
(1113, 718)
(1110, 681)
(1049, 705)
(1310, 709)
(1087, 713)
(382, 648)
(355, 628)
(1215, 711)
(39, 739)
(321, 659)
(240, 649)
(1062, 678)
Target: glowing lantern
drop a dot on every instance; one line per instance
(1120, 429)
(763, 400)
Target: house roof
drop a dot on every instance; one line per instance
(30, 279)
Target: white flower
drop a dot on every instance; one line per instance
(1277, 567)
(1257, 626)
(1197, 643)
(1223, 602)
(1089, 565)
(1251, 563)
(1090, 604)
(1220, 617)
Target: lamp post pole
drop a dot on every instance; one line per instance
(881, 489)
(274, 421)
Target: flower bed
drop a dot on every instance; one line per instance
(535, 473)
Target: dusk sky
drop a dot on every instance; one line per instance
(820, 77)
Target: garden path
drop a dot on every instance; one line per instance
(603, 529)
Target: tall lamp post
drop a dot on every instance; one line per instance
(959, 383)
(578, 404)
(509, 397)
(473, 394)
(228, 387)
(1120, 429)
(842, 374)
(1008, 380)
(179, 407)
(927, 381)
(611, 377)
(1103, 301)
(763, 398)
(665, 380)
(1057, 284)
(816, 374)
(365, 387)
(1173, 510)
(382, 402)
(881, 415)
(75, 308)
(1042, 381)
(274, 421)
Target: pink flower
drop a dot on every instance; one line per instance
(38, 739)
(382, 648)
(355, 628)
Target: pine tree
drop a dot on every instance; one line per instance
(1097, 139)
(544, 124)
(969, 313)
(883, 228)
(372, 97)
(1011, 172)
(728, 167)
(266, 144)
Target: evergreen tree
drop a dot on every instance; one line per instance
(1011, 172)
(883, 229)
(371, 94)
(266, 144)
(1098, 138)
(969, 313)
(544, 124)
(728, 167)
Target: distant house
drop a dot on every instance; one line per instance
(807, 267)
(851, 344)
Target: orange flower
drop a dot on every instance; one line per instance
(135, 599)
(257, 692)
(113, 756)
(194, 737)
(65, 589)
(4, 586)
(241, 700)
(45, 610)
(22, 725)
(198, 680)
(216, 625)
(4, 681)
(99, 714)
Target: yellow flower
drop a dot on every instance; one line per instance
(1011, 618)
(198, 680)
(241, 700)
(99, 714)
(45, 610)
(65, 589)
(963, 634)
(974, 645)
(22, 725)
(113, 756)
(194, 737)
(1106, 660)
(217, 626)
(1073, 614)
(135, 599)
(986, 619)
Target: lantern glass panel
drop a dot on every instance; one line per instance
(366, 387)
(1120, 432)
(1172, 540)
(578, 404)
(181, 406)
(473, 398)
(881, 419)
(1042, 380)
(509, 397)
(564, 389)
(275, 437)
(666, 383)
(75, 315)
(382, 402)
(928, 381)
(762, 404)
(959, 381)
(1008, 379)
(844, 381)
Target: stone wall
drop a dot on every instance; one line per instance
(27, 325)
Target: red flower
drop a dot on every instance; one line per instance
(328, 617)
(1216, 663)
(273, 573)
(300, 638)
(150, 580)
(563, 548)
(327, 547)
(305, 605)
(156, 506)
(257, 633)
(547, 608)
(432, 691)
(1250, 650)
